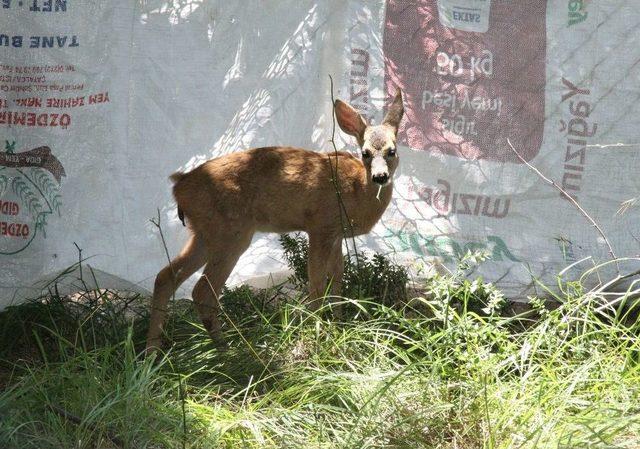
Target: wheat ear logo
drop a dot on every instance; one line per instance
(29, 195)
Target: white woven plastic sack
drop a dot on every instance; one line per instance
(101, 101)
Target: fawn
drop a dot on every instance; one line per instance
(278, 189)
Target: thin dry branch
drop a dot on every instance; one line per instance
(336, 184)
(573, 201)
(181, 391)
(156, 223)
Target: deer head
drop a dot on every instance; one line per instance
(377, 142)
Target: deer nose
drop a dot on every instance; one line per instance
(380, 178)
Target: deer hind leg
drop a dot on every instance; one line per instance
(224, 253)
(320, 248)
(191, 258)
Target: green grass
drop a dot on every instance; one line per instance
(437, 372)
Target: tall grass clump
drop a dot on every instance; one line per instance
(445, 370)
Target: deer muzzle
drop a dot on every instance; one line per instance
(379, 170)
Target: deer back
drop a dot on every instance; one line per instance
(280, 189)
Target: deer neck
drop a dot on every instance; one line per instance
(371, 206)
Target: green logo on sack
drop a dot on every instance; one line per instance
(29, 194)
(446, 248)
(577, 11)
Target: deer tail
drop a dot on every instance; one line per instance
(181, 216)
(175, 178)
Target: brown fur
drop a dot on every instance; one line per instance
(275, 189)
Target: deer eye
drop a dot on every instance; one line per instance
(366, 154)
(391, 152)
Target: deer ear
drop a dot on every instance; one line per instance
(395, 112)
(349, 120)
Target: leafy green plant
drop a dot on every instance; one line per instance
(373, 277)
(455, 289)
(296, 252)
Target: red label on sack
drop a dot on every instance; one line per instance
(473, 73)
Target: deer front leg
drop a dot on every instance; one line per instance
(320, 248)
(336, 268)
(336, 271)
